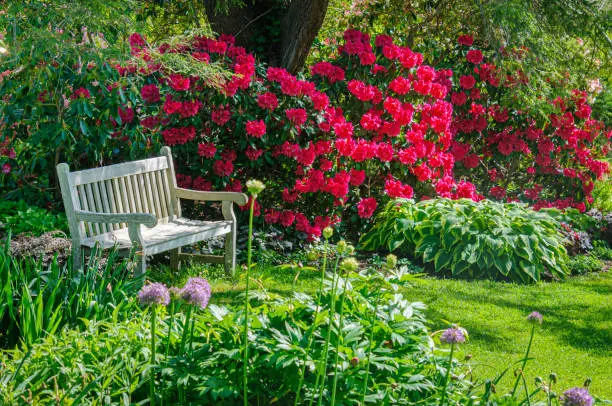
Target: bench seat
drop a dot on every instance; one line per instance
(163, 237)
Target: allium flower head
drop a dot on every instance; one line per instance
(341, 247)
(154, 294)
(196, 292)
(391, 261)
(255, 187)
(328, 232)
(535, 317)
(349, 264)
(577, 397)
(453, 335)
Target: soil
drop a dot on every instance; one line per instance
(44, 247)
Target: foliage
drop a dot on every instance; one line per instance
(602, 195)
(474, 240)
(19, 217)
(37, 302)
(581, 264)
(563, 37)
(403, 367)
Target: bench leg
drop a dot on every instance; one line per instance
(140, 263)
(230, 252)
(77, 257)
(175, 262)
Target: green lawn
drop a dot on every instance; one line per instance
(574, 340)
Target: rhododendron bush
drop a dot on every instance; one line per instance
(548, 159)
(370, 126)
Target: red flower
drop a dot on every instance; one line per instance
(256, 128)
(467, 82)
(297, 116)
(253, 154)
(190, 108)
(474, 56)
(221, 115)
(81, 92)
(287, 217)
(395, 188)
(366, 207)
(223, 168)
(136, 41)
(171, 106)
(357, 177)
(466, 40)
(267, 100)
(207, 150)
(150, 93)
(498, 192)
(126, 115)
(178, 82)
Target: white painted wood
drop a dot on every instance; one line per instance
(118, 170)
(238, 198)
(108, 206)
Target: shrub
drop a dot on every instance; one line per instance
(548, 153)
(372, 124)
(19, 217)
(474, 240)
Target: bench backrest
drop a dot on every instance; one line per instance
(145, 186)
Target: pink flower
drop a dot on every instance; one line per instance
(366, 207)
(297, 116)
(207, 150)
(150, 93)
(474, 56)
(267, 100)
(178, 82)
(466, 40)
(256, 128)
(467, 82)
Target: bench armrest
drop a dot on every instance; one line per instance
(239, 198)
(147, 219)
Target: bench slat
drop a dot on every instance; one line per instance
(117, 170)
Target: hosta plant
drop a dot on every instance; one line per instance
(471, 239)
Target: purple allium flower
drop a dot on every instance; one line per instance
(154, 294)
(453, 335)
(534, 317)
(577, 397)
(196, 292)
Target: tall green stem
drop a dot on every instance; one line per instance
(370, 349)
(153, 355)
(313, 328)
(518, 377)
(246, 305)
(332, 312)
(448, 374)
(191, 334)
(170, 324)
(185, 330)
(340, 337)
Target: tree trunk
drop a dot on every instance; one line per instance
(279, 35)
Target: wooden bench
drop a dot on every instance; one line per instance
(108, 207)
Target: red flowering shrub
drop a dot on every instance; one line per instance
(387, 133)
(513, 152)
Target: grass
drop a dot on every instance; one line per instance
(574, 340)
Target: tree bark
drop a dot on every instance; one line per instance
(254, 27)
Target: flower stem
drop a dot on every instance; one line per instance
(185, 330)
(191, 333)
(314, 324)
(340, 338)
(153, 356)
(370, 349)
(448, 374)
(332, 312)
(170, 323)
(245, 379)
(518, 378)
